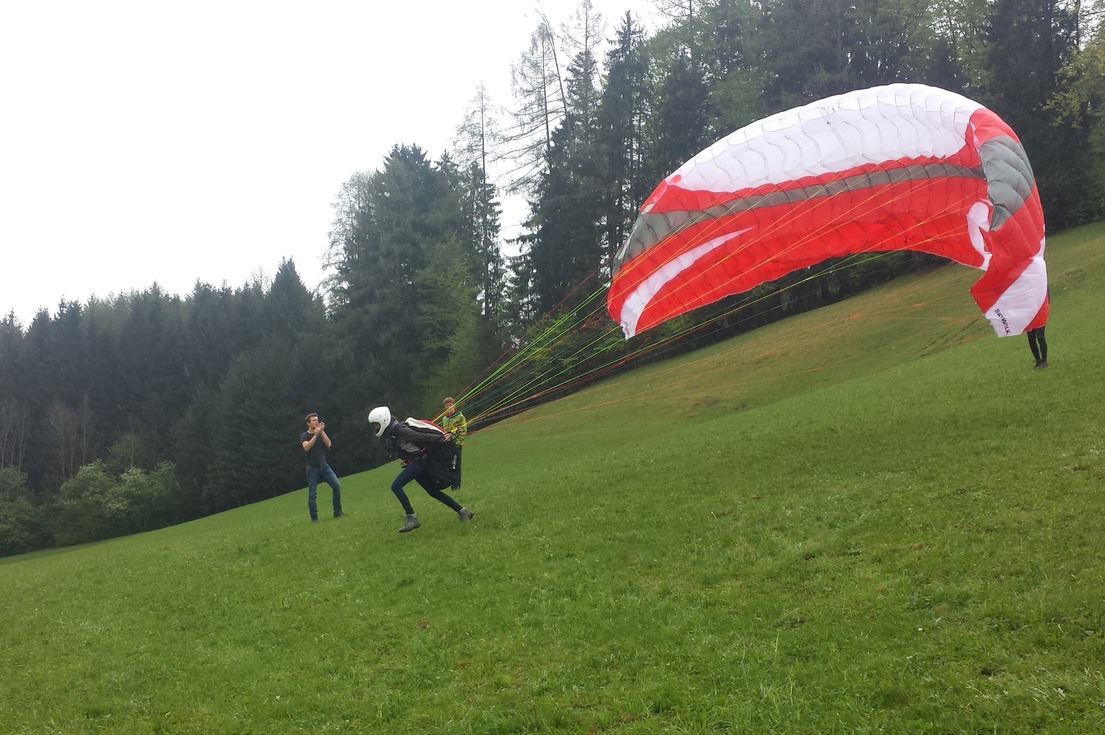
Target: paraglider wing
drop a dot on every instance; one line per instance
(900, 167)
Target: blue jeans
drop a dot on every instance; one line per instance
(325, 474)
(415, 471)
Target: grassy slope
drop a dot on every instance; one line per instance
(872, 518)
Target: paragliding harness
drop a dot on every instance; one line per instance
(438, 458)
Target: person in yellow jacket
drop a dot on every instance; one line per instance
(454, 422)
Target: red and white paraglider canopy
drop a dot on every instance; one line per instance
(900, 167)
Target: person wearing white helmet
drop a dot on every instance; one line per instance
(415, 446)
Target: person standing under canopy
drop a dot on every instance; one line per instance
(1038, 345)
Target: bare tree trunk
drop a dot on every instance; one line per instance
(13, 433)
(62, 423)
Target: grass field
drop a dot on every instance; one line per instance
(875, 517)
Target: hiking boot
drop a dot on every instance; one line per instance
(412, 523)
(464, 514)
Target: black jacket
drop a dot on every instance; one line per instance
(428, 446)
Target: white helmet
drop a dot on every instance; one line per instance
(382, 416)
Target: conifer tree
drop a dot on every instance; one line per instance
(479, 146)
(567, 244)
(541, 101)
(622, 138)
(1030, 42)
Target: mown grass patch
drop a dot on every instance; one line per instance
(872, 518)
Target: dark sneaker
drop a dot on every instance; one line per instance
(338, 514)
(314, 520)
(412, 523)
(464, 514)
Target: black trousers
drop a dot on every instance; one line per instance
(1037, 343)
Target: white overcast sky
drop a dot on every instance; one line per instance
(145, 141)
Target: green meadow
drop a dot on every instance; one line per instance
(872, 518)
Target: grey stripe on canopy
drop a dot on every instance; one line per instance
(1004, 165)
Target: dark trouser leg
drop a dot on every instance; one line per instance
(427, 485)
(330, 478)
(407, 474)
(312, 492)
(1033, 345)
(456, 483)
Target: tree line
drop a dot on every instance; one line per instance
(140, 410)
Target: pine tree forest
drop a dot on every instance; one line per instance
(149, 409)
